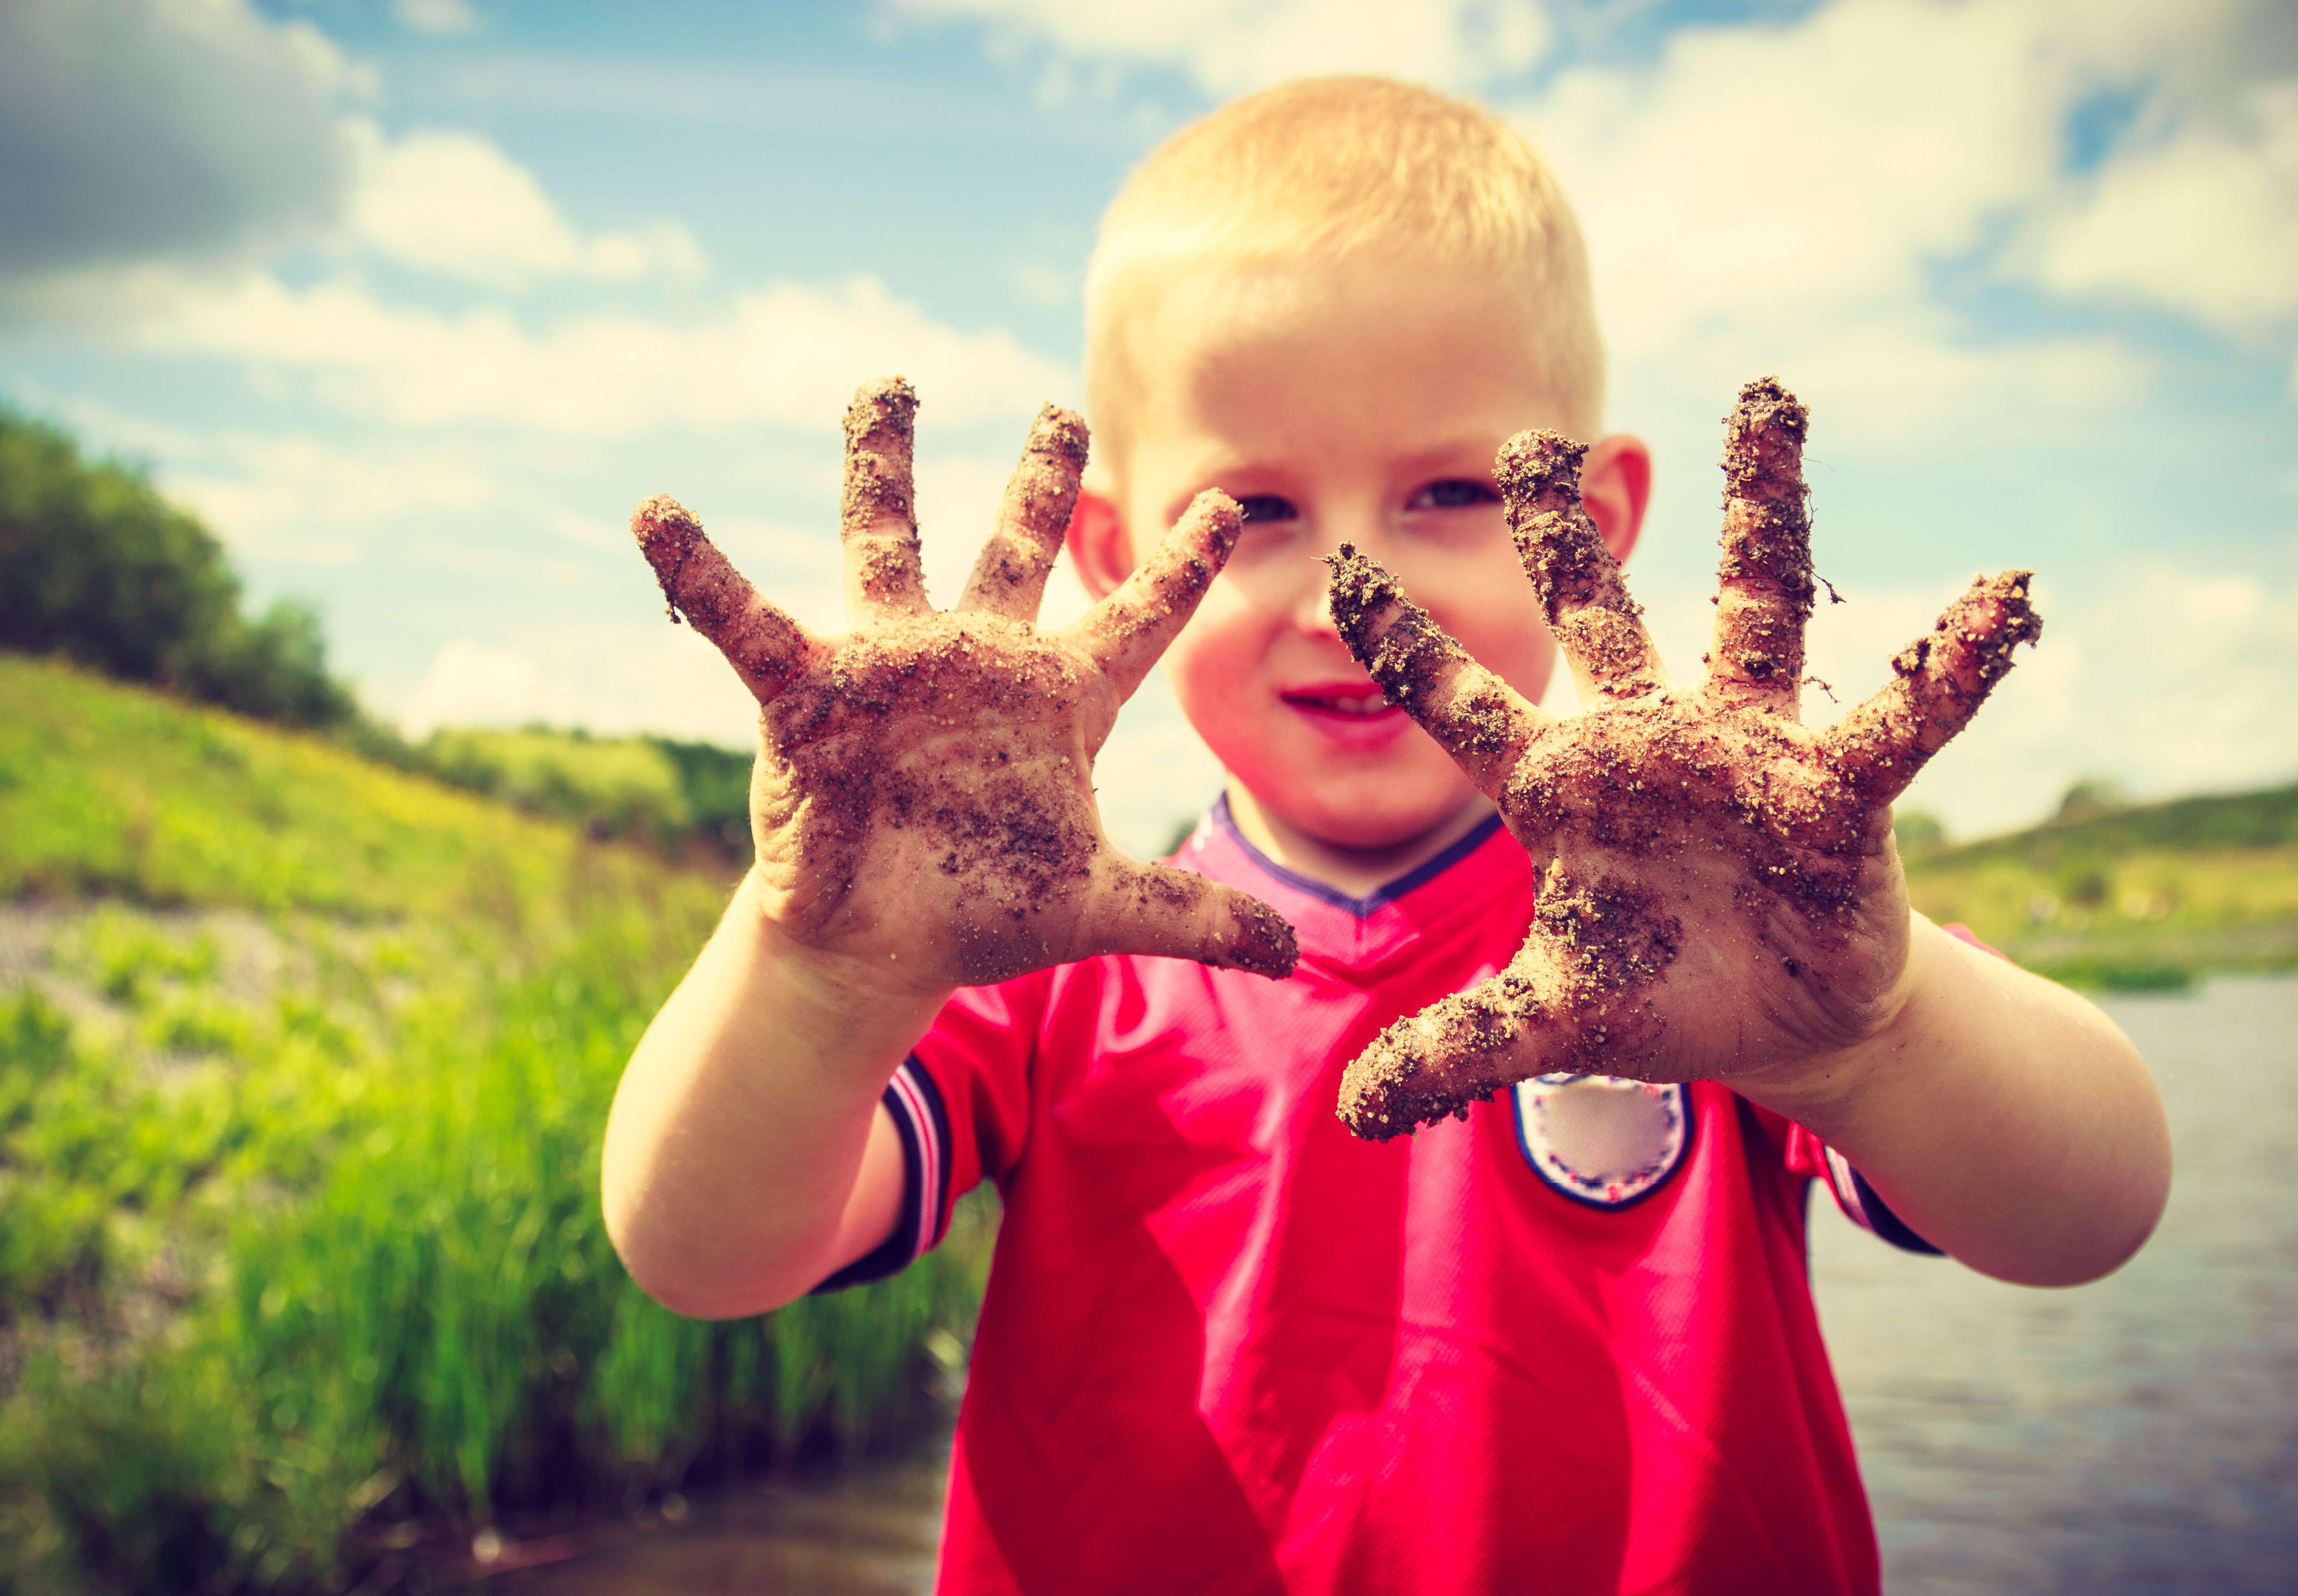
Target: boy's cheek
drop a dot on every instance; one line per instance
(1220, 637)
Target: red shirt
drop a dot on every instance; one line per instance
(1567, 1345)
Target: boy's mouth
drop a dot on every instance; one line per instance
(1359, 705)
(1352, 711)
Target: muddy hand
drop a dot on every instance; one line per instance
(1718, 891)
(922, 798)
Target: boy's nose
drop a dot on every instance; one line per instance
(1348, 522)
(1320, 608)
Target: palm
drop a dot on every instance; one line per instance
(1718, 889)
(923, 798)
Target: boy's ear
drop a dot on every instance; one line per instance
(1615, 484)
(1099, 551)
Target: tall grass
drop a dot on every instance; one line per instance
(302, 1237)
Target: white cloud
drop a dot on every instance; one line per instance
(1231, 45)
(2204, 220)
(1783, 199)
(1754, 175)
(453, 203)
(786, 353)
(436, 17)
(2166, 678)
(296, 498)
(469, 684)
(666, 682)
(142, 130)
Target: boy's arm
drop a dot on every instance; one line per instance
(1720, 897)
(748, 1156)
(922, 810)
(2008, 1121)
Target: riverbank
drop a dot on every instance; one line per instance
(303, 1066)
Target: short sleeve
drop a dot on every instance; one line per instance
(960, 1103)
(1862, 1206)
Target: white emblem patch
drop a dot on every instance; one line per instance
(1602, 1139)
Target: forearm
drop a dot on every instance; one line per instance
(744, 1121)
(2006, 1120)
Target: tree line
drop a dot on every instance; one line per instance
(98, 568)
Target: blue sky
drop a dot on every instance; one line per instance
(413, 302)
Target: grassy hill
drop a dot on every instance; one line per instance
(303, 1065)
(2138, 895)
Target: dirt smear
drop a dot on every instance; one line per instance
(1764, 587)
(1720, 791)
(877, 512)
(1407, 653)
(1010, 575)
(1594, 945)
(762, 643)
(1598, 625)
(1940, 680)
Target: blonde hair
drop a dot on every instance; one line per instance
(1325, 169)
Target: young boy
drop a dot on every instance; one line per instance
(1567, 1344)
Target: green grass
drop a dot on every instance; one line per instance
(2136, 898)
(301, 1233)
(677, 798)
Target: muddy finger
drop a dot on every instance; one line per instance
(1150, 909)
(765, 646)
(1009, 579)
(1480, 720)
(1764, 580)
(878, 517)
(1939, 683)
(1128, 631)
(1600, 628)
(1575, 999)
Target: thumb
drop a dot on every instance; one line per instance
(1151, 909)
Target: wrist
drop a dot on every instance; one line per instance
(1825, 1091)
(861, 991)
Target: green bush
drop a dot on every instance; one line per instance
(624, 787)
(96, 566)
(658, 791)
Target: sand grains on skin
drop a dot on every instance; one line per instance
(923, 797)
(1658, 814)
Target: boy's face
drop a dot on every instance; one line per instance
(1361, 404)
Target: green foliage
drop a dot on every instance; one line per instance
(717, 782)
(2119, 975)
(2243, 820)
(1919, 832)
(302, 1231)
(658, 791)
(2090, 798)
(96, 566)
(104, 790)
(2133, 897)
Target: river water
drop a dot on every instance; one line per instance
(2132, 1436)
(2138, 1435)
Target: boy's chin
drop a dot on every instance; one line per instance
(1383, 824)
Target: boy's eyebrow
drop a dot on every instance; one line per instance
(1469, 457)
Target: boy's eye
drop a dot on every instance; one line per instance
(1266, 506)
(1454, 492)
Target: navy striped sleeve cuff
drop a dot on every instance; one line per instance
(1869, 1212)
(923, 1125)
